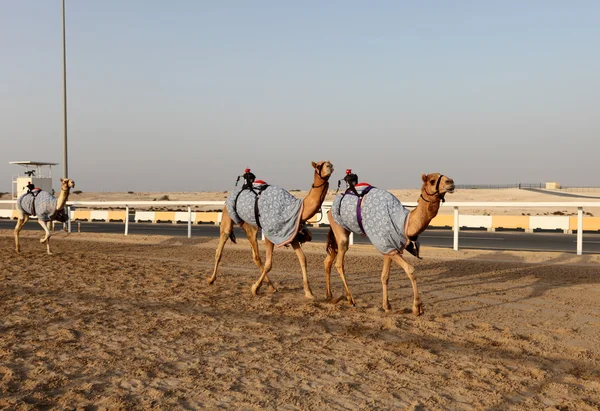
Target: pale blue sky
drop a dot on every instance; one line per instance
(182, 95)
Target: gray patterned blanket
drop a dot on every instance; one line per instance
(43, 204)
(383, 217)
(279, 211)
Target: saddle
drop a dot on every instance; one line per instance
(413, 247)
(249, 180)
(33, 192)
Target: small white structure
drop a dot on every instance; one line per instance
(38, 173)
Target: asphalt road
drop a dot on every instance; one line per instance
(468, 239)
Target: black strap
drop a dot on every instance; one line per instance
(256, 191)
(34, 193)
(351, 190)
(256, 212)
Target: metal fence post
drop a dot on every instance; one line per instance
(189, 222)
(351, 238)
(579, 230)
(456, 227)
(69, 220)
(126, 220)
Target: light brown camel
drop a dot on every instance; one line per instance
(434, 188)
(45, 206)
(310, 206)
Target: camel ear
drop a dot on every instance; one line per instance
(62, 179)
(424, 177)
(314, 164)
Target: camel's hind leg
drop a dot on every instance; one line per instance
(417, 307)
(385, 277)
(342, 239)
(331, 254)
(46, 238)
(302, 258)
(21, 221)
(269, 246)
(225, 230)
(252, 233)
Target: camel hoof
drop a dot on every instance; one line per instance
(351, 301)
(309, 295)
(328, 295)
(418, 310)
(210, 280)
(387, 307)
(337, 300)
(49, 253)
(272, 289)
(255, 288)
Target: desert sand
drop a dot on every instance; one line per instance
(114, 322)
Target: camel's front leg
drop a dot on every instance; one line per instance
(302, 258)
(417, 307)
(268, 264)
(46, 238)
(22, 219)
(385, 277)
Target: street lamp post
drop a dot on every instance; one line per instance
(65, 167)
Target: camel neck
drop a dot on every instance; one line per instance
(315, 197)
(62, 198)
(422, 215)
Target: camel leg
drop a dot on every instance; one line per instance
(269, 246)
(225, 230)
(22, 220)
(328, 264)
(417, 307)
(46, 238)
(252, 233)
(343, 241)
(302, 258)
(385, 276)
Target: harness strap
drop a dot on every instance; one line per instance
(34, 193)
(358, 208)
(352, 191)
(257, 192)
(256, 212)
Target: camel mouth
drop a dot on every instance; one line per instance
(450, 189)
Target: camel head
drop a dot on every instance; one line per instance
(324, 169)
(66, 184)
(436, 184)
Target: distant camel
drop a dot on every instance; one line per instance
(280, 215)
(390, 227)
(45, 206)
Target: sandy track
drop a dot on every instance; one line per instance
(131, 324)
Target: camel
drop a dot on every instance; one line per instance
(308, 207)
(45, 206)
(382, 231)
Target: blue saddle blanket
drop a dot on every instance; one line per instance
(384, 217)
(279, 211)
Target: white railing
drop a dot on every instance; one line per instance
(580, 205)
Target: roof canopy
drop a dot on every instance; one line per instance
(32, 163)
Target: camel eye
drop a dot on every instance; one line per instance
(431, 181)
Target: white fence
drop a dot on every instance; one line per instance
(564, 223)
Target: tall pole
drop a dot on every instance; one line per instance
(65, 167)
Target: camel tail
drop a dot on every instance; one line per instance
(232, 237)
(331, 243)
